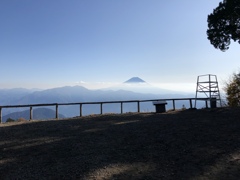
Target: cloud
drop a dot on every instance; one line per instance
(80, 82)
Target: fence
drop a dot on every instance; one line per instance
(101, 105)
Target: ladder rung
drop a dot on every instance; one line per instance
(206, 91)
(208, 82)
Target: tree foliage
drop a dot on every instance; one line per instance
(224, 24)
(10, 120)
(232, 90)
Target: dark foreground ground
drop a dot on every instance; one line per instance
(190, 144)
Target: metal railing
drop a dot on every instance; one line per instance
(100, 103)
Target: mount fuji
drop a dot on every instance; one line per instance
(135, 80)
(136, 84)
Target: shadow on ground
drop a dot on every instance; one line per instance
(191, 144)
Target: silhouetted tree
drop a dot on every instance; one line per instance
(224, 24)
(10, 120)
(232, 90)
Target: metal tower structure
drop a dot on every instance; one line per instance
(208, 85)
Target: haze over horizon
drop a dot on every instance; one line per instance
(134, 84)
(97, 44)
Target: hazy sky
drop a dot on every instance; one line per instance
(48, 43)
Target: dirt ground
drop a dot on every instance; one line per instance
(189, 144)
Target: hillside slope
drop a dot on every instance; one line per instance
(38, 114)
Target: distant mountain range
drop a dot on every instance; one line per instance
(8, 96)
(129, 90)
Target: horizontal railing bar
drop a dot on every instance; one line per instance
(27, 105)
(177, 99)
(104, 102)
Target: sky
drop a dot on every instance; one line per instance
(98, 43)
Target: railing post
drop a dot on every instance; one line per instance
(173, 104)
(138, 103)
(121, 107)
(56, 111)
(80, 110)
(31, 113)
(101, 109)
(190, 100)
(206, 104)
(0, 115)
